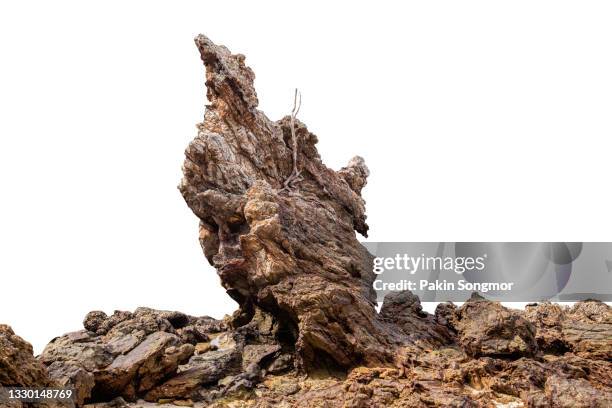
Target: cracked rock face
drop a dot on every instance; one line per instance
(584, 329)
(290, 251)
(125, 354)
(489, 329)
(282, 238)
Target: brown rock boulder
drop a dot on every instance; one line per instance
(587, 329)
(18, 367)
(547, 319)
(404, 311)
(201, 370)
(584, 329)
(487, 328)
(575, 393)
(125, 354)
(140, 369)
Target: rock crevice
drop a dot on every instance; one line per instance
(292, 253)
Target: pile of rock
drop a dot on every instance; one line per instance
(160, 355)
(491, 354)
(279, 227)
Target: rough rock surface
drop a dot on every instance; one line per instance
(584, 329)
(476, 363)
(489, 329)
(19, 368)
(279, 227)
(125, 354)
(288, 248)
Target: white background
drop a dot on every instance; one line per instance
(479, 120)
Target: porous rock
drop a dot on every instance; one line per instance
(282, 243)
(279, 226)
(18, 367)
(584, 328)
(488, 329)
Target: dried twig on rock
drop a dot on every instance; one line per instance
(296, 173)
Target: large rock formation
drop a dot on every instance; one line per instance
(279, 227)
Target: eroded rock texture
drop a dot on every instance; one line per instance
(292, 250)
(19, 368)
(282, 238)
(126, 354)
(168, 357)
(584, 329)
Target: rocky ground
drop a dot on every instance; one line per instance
(544, 356)
(279, 227)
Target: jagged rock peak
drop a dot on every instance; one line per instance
(278, 224)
